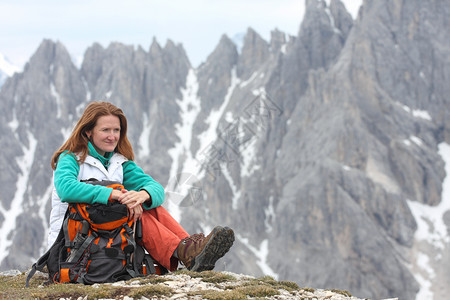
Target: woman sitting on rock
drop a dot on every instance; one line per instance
(99, 148)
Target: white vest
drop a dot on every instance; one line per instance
(91, 168)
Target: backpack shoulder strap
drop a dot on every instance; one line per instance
(42, 261)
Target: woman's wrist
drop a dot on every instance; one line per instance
(145, 195)
(115, 194)
(148, 201)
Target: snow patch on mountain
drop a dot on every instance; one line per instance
(418, 113)
(261, 254)
(57, 97)
(144, 142)
(331, 18)
(11, 215)
(413, 139)
(432, 230)
(252, 77)
(430, 221)
(236, 192)
(189, 105)
(210, 135)
(248, 154)
(14, 123)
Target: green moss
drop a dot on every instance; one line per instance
(107, 292)
(13, 287)
(342, 292)
(258, 290)
(57, 291)
(219, 295)
(288, 285)
(311, 290)
(270, 281)
(219, 277)
(208, 276)
(240, 292)
(150, 291)
(151, 279)
(190, 273)
(267, 279)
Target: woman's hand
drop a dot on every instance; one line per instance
(115, 194)
(133, 201)
(132, 198)
(135, 213)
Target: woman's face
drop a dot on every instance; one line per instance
(105, 134)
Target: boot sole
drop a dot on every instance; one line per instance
(219, 244)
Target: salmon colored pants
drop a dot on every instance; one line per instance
(161, 234)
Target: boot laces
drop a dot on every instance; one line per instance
(195, 238)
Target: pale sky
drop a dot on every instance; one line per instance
(196, 24)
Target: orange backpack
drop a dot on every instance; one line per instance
(97, 244)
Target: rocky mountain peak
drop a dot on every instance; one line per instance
(254, 52)
(324, 28)
(155, 47)
(225, 53)
(177, 49)
(277, 40)
(92, 66)
(342, 19)
(214, 78)
(50, 54)
(56, 80)
(50, 51)
(171, 45)
(177, 54)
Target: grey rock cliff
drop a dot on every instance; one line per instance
(41, 101)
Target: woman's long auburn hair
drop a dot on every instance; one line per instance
(78, 140)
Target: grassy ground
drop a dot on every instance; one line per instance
(213, 285)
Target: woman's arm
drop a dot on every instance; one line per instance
(70, 190)
(150, 192)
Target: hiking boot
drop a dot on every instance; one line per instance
(200, 253)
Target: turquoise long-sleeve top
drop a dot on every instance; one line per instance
(70, 190)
